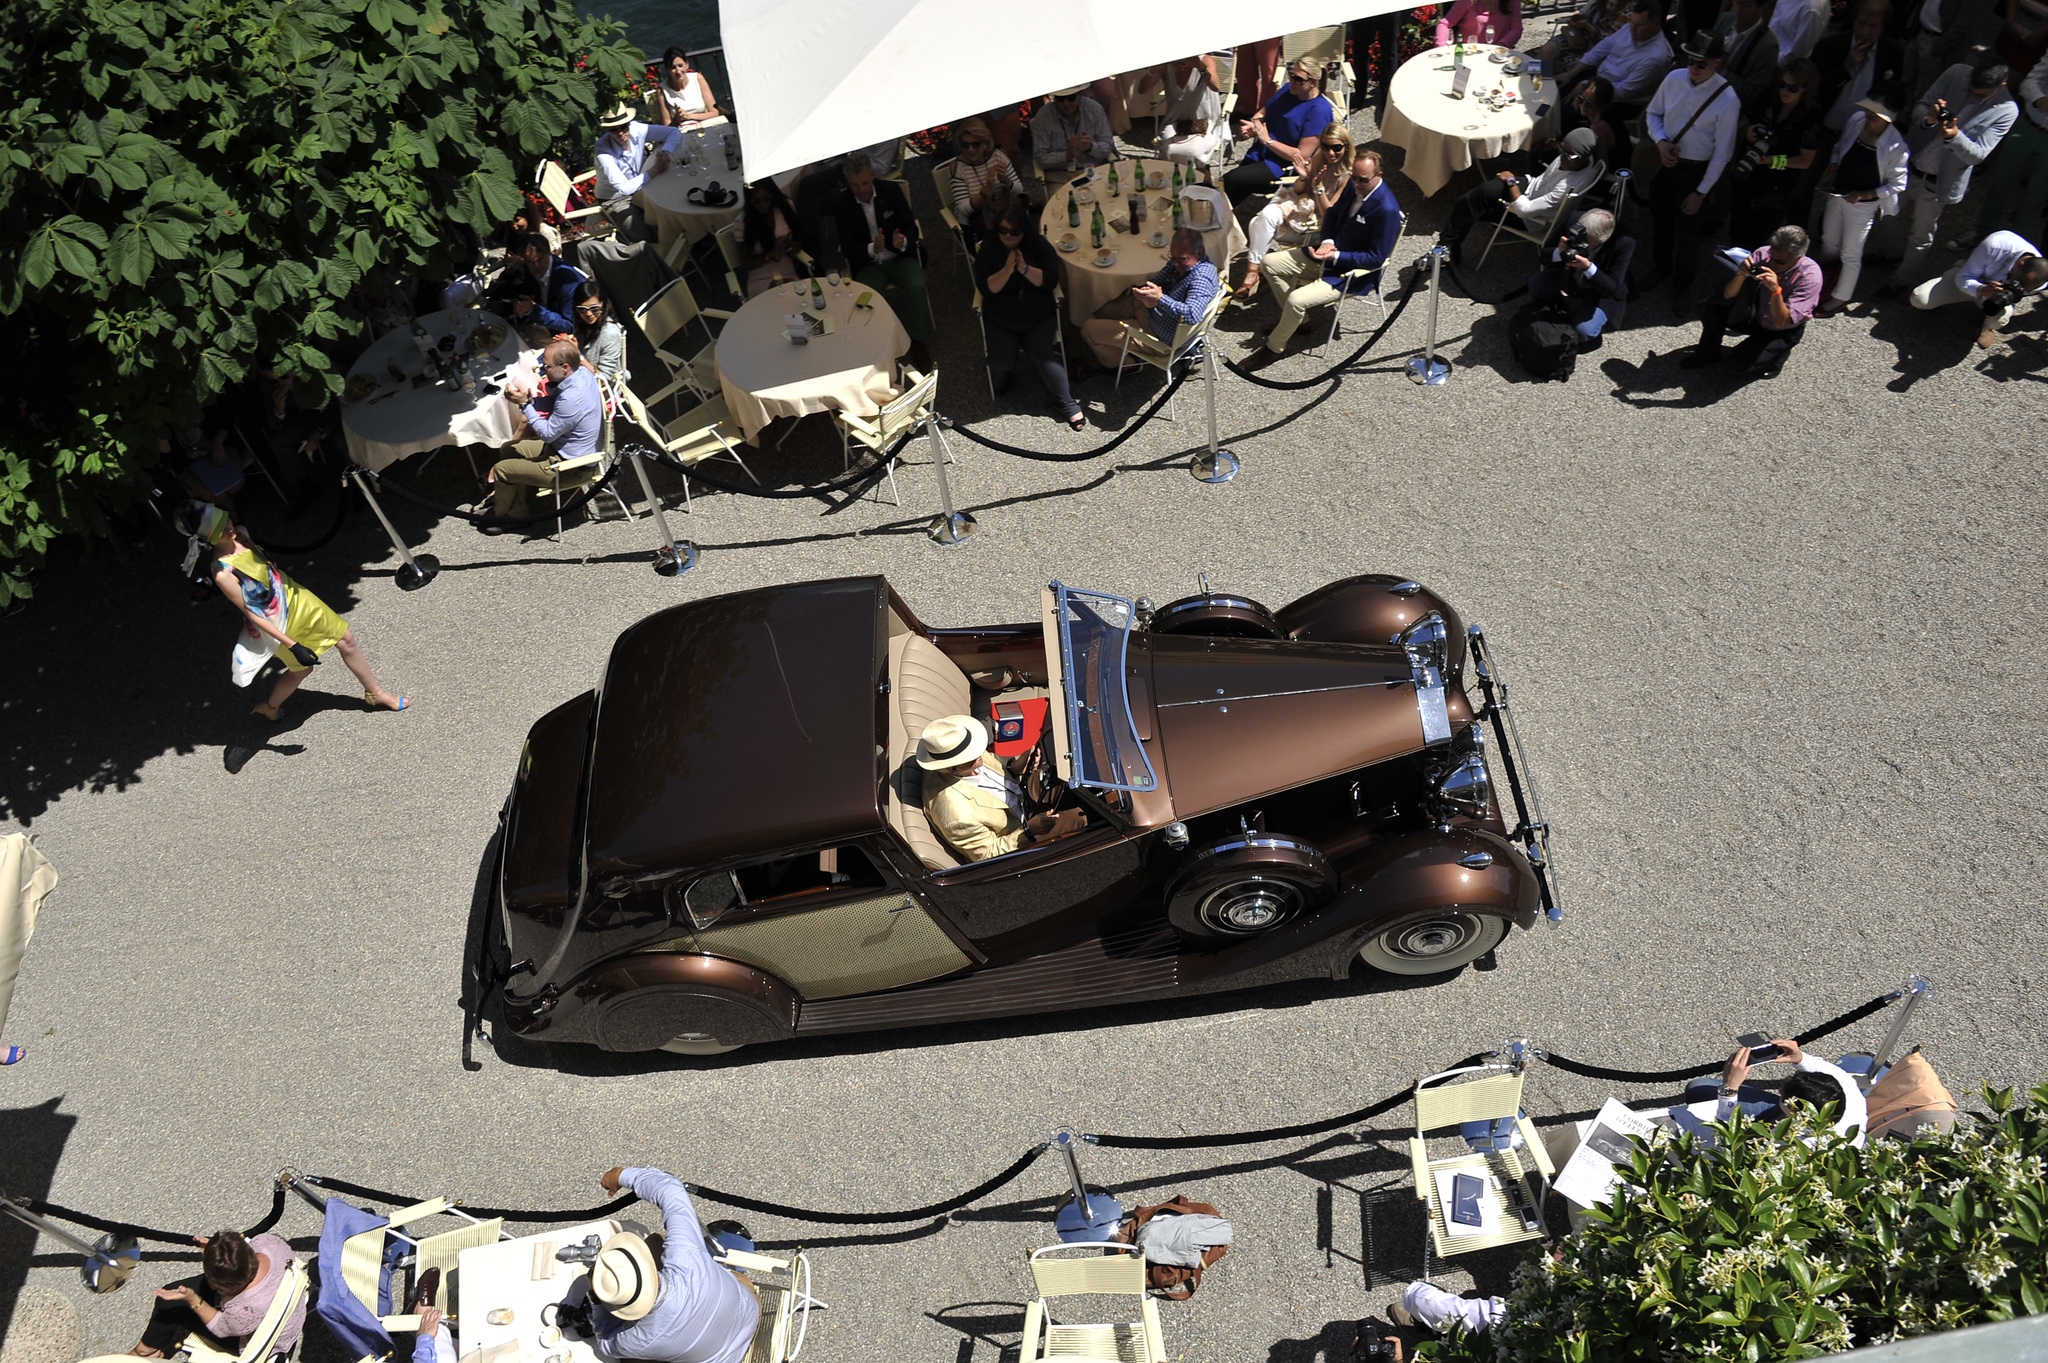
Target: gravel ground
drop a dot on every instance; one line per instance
(1773, 647)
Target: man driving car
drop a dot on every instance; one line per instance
(973, 802)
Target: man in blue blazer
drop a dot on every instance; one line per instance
(1358, 233)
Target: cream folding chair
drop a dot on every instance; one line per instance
(706, 431)
(661, 320)
(1360, 284)
(1325, 45)
(580, 472)
(942, 181)
(1107, 1270)
(1505, 1192)
(914, 413)
(554, 184)
(1059, 331)
(1142, 346)
(784, 1286)
(199, 1347)
(901, 175)
(729, 248)
(1551, 228)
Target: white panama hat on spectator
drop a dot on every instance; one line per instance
(617, 118)
(625, 1280)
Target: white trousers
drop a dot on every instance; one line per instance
(1268, 226)
(1923, 217)
(1439, 1310)
(1190, 149)
(1844, 227)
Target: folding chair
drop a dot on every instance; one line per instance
(1505, 1194)
(362, 1275)
(784, 1286)
(1107, 1270)
(661, 319)
(1142, 346)
(942, 181)
(704, 432)
(1324, 45)
(1059, 331)
(1550, 230)
(554, 184)
(1360, 284)
(729, 248)
(885, 433)
(901, 175)
(571, 474)
(199, 1346)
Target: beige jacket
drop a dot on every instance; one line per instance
(976, 823)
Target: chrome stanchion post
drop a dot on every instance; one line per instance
(1623, 179)
(949, 527)
(675, 557)
(1214, 465)
(1086, 1217)
(108, 1261)
(1426, 368)
(1914, 990)
(419, 569)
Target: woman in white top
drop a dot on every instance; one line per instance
(1194, 111)
(1293, 211)
(984, 181)
(1864, 179)
(683, 95)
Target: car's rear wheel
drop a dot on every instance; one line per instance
(1448, 939)
(699, 1043)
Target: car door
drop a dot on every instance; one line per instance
(829, 923)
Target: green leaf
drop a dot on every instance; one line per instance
(2032, 1295)
(73, 255)
(1720, 1318)
(129, 255)
(152, 89)
(39, 261)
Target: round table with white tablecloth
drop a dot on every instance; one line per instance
(1089, 284)
(673, 211)
(397, 418)
(765, 375)
(1443, 135)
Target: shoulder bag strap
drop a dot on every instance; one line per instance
(1705, 105)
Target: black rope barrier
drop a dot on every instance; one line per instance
(851, 478)
(1335, 371)
(575, 503)
(1075, 457)
(1295, 1131)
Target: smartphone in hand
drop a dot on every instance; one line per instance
(1760, 1048)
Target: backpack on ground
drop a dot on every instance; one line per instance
(1175, 1282)
(1544, 341)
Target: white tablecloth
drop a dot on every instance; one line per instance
(764, 376)
(1090, 285)
(399, 419)
(501, 1275)
(665, 199)
(1443, 135)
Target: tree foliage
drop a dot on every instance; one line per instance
(189, 189)
(1770, 1248)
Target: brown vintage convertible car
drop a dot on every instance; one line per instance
(724, 843)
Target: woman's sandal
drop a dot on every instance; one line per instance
(1077, 422)
(370, 702)
(269, 712)
(13, 1055)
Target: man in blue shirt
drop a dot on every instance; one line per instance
(1284, 133)
(628, 152)
(687, 1309)
(556, 279)
(1178, 294)
(567, 424)
(1358, 233)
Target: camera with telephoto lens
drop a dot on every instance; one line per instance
(1577, 242)
(1758, 153)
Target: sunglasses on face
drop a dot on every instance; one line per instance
(1791, 85)
(1008, 232)
(592, 309)
(1066, 99)
(1699, 65)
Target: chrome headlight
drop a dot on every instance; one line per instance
(1426, 642)
(1464, 788)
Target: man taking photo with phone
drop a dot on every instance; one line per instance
(1815, 1081)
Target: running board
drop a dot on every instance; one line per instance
(1140, 960)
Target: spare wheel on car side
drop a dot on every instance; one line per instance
(1246, 884)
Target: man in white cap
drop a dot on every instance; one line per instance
(628, 151)
(686, 1309)
(975, 805)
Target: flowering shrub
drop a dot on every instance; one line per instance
(1768, 1248)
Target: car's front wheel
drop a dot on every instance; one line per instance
(1448, 939)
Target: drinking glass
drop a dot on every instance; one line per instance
(832, 278)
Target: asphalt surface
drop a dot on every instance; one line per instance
(1775, 649)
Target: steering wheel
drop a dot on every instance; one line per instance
(1043, 789)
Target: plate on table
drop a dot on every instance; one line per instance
(359, 387)
(1068, 243)
(1086, 196)
(486, 338)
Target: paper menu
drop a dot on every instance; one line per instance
(1589, 1176)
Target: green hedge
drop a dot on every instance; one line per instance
(1769, 1248)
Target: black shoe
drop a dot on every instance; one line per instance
(1890, 291)
(423, 1294)
(1763, 371)
(920, 358)
(728, 1228)
(1699, 358)
(1454, 253)
(1587, 347)
(1005, 382)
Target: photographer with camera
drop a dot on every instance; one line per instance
(1771, 295)
(1573, 172)
(1959, 121)
(1588, 276)
(2004, 268)
(1781, 141)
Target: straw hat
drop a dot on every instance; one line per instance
(951, 742)
(1070, 90)
(625, 1279)
(617, 118)
(1872, 104)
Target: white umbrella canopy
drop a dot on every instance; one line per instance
(817, 78)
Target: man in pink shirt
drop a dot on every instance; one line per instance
(1779, 285)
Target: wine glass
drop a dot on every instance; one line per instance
(832, 279)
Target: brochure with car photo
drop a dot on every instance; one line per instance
(1590, 1174)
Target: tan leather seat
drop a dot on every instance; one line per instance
(924, 685)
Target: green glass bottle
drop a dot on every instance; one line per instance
(1458, 51)
(1176, 180)
(1112, 179)
(1095, 226)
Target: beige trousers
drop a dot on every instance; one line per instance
(1297, 280)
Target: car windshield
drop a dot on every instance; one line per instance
(1095, 741)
